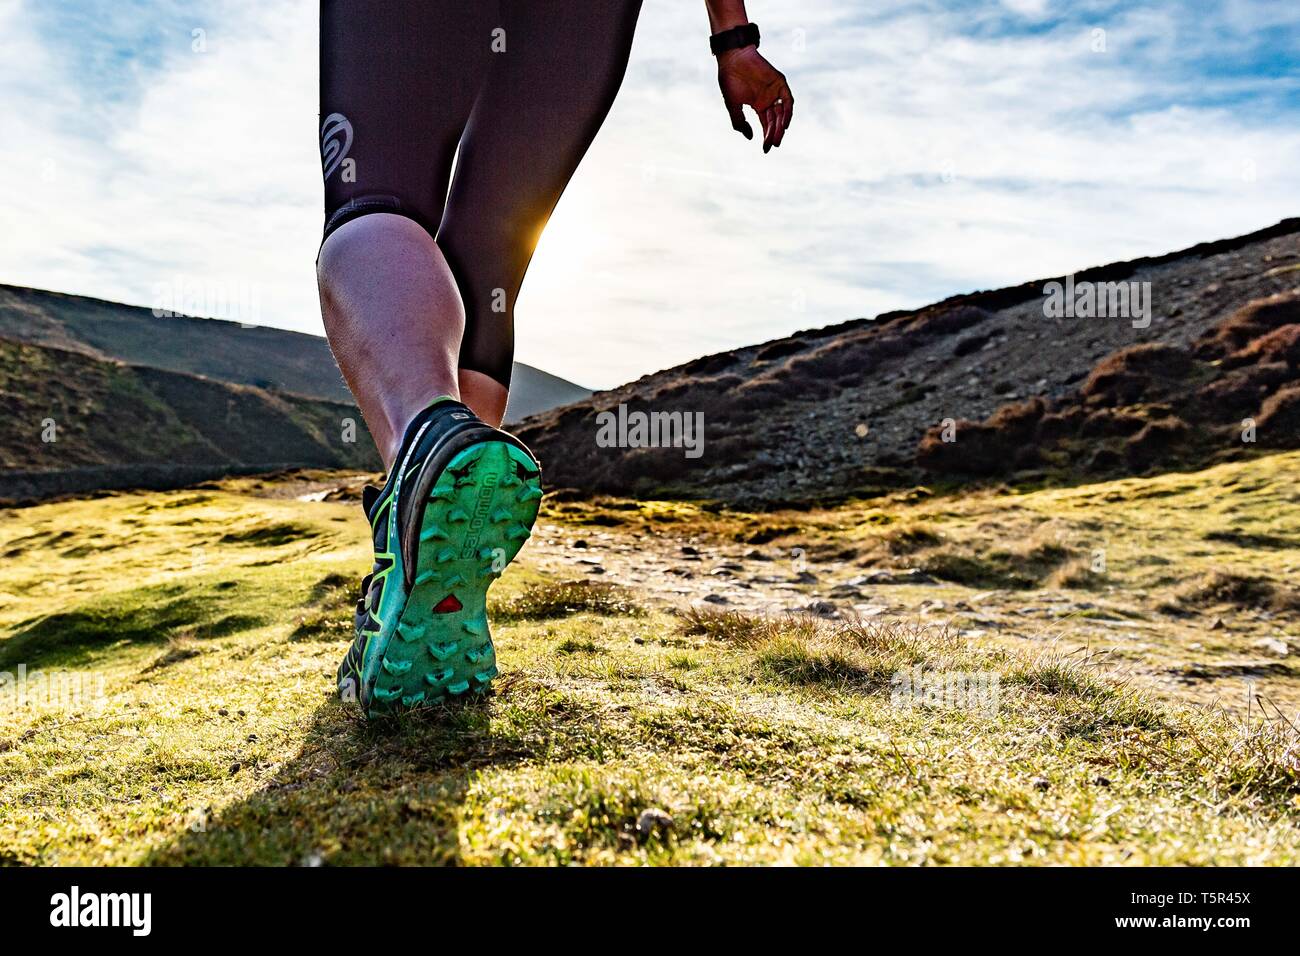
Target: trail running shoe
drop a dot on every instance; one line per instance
(456, 509)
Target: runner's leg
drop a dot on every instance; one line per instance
(544, 99)
(398, 82)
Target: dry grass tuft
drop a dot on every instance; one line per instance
(553, 600)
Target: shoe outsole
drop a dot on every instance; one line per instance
(479, 513)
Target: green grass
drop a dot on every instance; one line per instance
(619, 733)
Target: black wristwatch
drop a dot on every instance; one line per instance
(744, 35)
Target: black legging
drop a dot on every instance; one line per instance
(520, 86)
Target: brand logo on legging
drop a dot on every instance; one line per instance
(335, 141)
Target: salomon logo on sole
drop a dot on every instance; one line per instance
(481, 506)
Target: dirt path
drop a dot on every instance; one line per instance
(1244, 656)
(1228, 656)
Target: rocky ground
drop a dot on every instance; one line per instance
(1226, 657)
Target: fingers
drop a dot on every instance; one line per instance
(738, 121)
(774, 112)
(776, 116)
(783, 110)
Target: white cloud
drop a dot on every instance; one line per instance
(934, 149)
(1027, 8)
(209, 174)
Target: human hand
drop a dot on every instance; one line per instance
(747, 79)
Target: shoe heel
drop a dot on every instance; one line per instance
(477, 515)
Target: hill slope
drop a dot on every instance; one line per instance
(72, 423)
(247, 355)
(846, 409)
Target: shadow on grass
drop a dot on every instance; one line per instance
(388, 791)
(167, 613)
(145, 616)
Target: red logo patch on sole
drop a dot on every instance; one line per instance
(448, 605)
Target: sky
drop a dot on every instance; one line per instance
(936, 148)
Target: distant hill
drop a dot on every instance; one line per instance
(533, 391)
(988, 384)
(71, 423)
(247, 355)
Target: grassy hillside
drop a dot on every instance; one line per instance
(862, 406)
(62, 410)
(628, 729)
(248, 355)
(1152, 406)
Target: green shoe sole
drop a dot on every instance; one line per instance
(479, 513)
